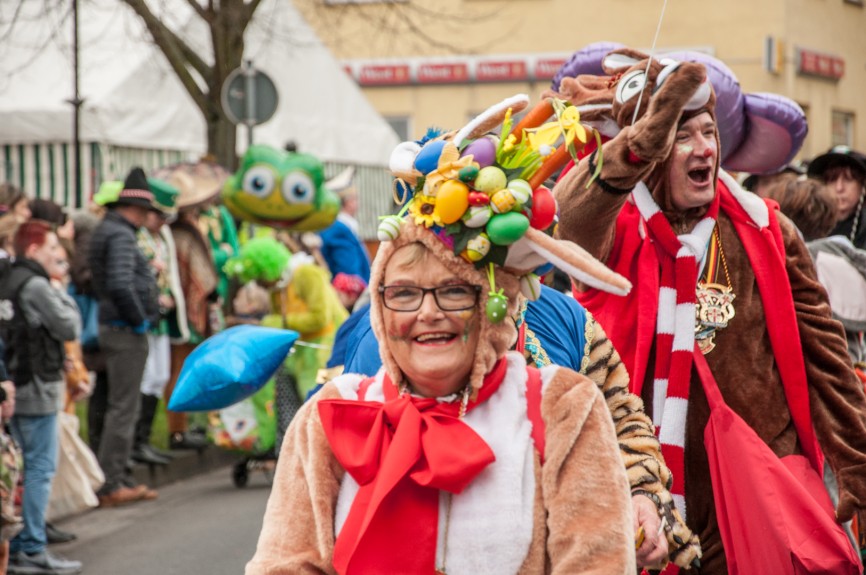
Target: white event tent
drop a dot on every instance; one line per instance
(136, 112)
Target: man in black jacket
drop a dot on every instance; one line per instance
(127, 293)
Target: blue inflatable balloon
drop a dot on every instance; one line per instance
(230, 366)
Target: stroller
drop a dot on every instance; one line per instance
(255, 426)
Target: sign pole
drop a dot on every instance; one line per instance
(250, 86)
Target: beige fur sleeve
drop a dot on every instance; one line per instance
(584, 485)
(298, 531)
(638, 445)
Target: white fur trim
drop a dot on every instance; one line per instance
(490, 529)
(673, 428)
(660, 392)
(348, 490)
(490, 524)
(347, 384)
(684, 330)
(667, 305)
(754, 206)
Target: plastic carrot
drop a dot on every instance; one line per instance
(551, 163)
(533, 118)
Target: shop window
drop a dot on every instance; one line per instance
(843, 128)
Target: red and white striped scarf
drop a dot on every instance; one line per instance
(679, 260)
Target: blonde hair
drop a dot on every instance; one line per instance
(8, 228)
(409, 255)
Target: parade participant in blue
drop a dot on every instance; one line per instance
(342, 246)
(531, 487)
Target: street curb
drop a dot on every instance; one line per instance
(186, 464)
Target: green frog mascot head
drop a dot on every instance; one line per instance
(284, 190)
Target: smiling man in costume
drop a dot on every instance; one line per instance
(704, 257)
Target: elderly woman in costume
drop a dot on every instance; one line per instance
(455, 457)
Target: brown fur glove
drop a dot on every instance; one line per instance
(651, 138)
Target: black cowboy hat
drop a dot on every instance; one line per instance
(838, 155)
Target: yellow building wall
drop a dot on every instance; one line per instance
(733, 31)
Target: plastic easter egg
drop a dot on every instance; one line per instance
(467, 173)
(543, 208)
(477, 216)
(505, 229)
(477, 248)
(389, 228)
(478, 199)
(502, 201)
(483, 151)
(530, 286)
(452, 199)
(521, 190)
(427, 159)
(490, 179)
(497, 307)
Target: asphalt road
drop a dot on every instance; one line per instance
(204, 525)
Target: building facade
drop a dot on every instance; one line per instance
(422, 64)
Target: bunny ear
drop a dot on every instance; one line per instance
(576, 262)
(622, 59)
(491, 118)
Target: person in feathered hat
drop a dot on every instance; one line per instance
(127, 294)
(455, 457)
(725, 299)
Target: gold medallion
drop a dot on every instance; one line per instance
(714, 308)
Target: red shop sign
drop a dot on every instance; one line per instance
(822, 65)
(500, 70)
(384, 75)
(442, 73)
(546, 68)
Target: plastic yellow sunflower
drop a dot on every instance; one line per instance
(423, 210)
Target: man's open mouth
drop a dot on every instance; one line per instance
(700, 176)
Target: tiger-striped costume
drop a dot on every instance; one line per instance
(647, 473)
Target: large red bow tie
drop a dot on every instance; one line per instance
(402, 453)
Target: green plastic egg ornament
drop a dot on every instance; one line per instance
(505, 229)
(490, 179)
(497, 307)
(452, 199)
(467, 173)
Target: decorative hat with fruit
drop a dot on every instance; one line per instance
(477, 202)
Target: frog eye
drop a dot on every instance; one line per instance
(298, 188)
(259, 181)
(630, 86)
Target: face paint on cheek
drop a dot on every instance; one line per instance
(397, 331)
(469, 326)
(685, 149)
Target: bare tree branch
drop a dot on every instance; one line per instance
(205, 15)
(177, 52)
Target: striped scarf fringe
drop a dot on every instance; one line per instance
(679, 258)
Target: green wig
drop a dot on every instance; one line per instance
(260, 259)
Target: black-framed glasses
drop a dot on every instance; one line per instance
(454, 297)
